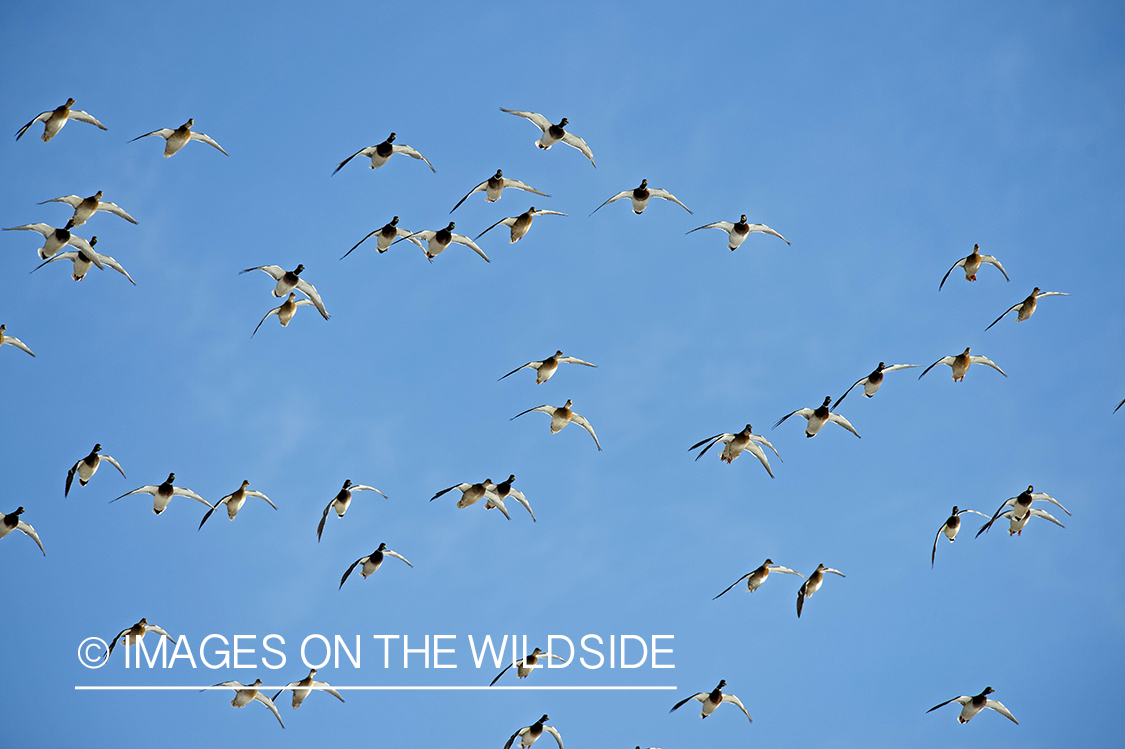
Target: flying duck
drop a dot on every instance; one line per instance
(950, 528)
(818, 417)
(85, 259)
(552, 134)
(439, 241)
(812, 585)
(755, 579)
(1026, 308)
(287, 280)
(54, 119)
(494, 186)
(54, 239)
(178, 138)
(88, 466)
(640, 197)
(970, 706)
(84, 208)
(470, 493)
(163, 494)
(711, 701)
(13, 341)
(235, 500)
(740, 231)
(11, 522)
(284, 312)
(382, 153)
(342, 501)
(247, 693)
(372, 562)
(520, 224)
(961, 363)
(972, 264)
(388, 234)
(735, 444)
(307, 683)
(546, 368)
(560, 417)
(134, 634)
(1017, 523)
(872, 381)
(503, 491)
(1021, 505)
(525, 665)
(528, 735)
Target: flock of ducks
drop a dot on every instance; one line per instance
(289, 283)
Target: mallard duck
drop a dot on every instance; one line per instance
(640, 197)
(520, 224)
(950, 528)
(755, 579)
(84, 208)
(560, 417)
(818, 417)
(552, 134)
(382, 153)
(11, 522)
(740, 231)
(960, 364)
(528, 735)
(735, 444)
(872, 381)
(972, 264)
(308, 684)
(54, 119)
(970, 706)
(372, 562)
(494, 187)
(162, 494)
(88, 466)
(342, 501)
(1026, 308)
(179, 137)
(711, 701)
(546, 368)
(812, 585)
(525, 665)
(247, 693)
(235, 500)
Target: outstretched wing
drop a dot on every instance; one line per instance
(396, 555)
(944, 360)
(320, 527)
(478, 188)
(700, 696)
(838, 419)
(42, 117)
(993, 261)
(162, 132)
(461, 239)
(535, 365)
(962, 699)
(726, 438)
(361, 152)
(500, 674)
(345, 577)
(26, 528)
(89, 119)
(273, 311)
(658, 193)
(995, 705)
(724, 225)
(619, 196)
(986, 361)
(539, 120)
(309, 290)
(845, 395)
(959, 264)
(805, 412)
(202, 138)
(1018, 306)
(736, 582)
(735, 701)
(266, 700)
(413, 154)
(581, 421)
(574, 141)
(505, 221)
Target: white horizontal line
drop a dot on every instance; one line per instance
(265, 688)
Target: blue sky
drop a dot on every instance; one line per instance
(882, 140)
